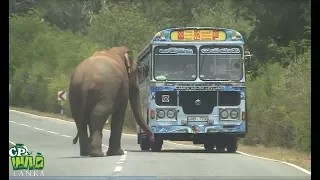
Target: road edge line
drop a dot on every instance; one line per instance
(12, 144)
(56, 119)
(242, 153)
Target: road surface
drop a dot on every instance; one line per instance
(53, 139)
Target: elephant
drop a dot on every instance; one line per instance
(102, 85)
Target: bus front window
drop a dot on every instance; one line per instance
(175, 63)
(220, 66)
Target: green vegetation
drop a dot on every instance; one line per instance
(49, 38)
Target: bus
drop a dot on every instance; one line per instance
(192, 85)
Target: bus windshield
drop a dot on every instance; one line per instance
(221, 63)
(175, 63)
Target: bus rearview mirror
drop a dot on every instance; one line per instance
(249, 61)
(146, 70)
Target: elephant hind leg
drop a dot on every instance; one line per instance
(116, 130)
(98, 118)
(82, 134)
(84, 141)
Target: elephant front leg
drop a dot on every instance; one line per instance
(116, 131)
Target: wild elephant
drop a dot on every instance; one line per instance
(100, 86)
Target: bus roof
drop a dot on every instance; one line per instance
(197, 34)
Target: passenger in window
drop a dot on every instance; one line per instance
(218, 72)
(189, 71)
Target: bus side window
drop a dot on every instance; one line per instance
(146, 70)
(140, 71)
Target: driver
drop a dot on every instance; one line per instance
(189, 70)
(220, 71)
(208, 71)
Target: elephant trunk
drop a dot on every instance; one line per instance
(137, 113)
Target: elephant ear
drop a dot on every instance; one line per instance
(128, 61)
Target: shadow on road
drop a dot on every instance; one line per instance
(76, 157)
(182, 151)
(84, 157)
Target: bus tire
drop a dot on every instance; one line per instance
(208, 147)
(232, 145)
(145, 144)
(156, 146)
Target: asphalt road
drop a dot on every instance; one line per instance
(53, 139)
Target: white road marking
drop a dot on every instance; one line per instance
(275, 160)
(245, 154)
(105, 146)
(121, 162)
(117, 169)
(12, 144)
(65, 136)
(24, 125)
(35, 128)
(52, 132)
(45, 131)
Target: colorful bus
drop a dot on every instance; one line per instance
(192, 84)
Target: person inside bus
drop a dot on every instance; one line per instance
(161, 72)
(185, 72)
(189, 71)
(220, 71)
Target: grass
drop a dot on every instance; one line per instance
(301, 159)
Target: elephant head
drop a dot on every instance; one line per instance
(134, 92)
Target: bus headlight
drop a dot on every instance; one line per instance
(224, 114)
(161, 114)
(234, 114)
(171, 114)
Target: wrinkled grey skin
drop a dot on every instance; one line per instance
(101, 85)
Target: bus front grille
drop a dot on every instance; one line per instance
(229, 98)
(197, 102)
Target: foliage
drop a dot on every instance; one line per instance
(47, 40)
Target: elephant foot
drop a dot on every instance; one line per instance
(118, 152)
(84, 153)
(96, 153)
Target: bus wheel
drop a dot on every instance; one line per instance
(209, 147)
(144, 144)
(232, 145)
(156, 146)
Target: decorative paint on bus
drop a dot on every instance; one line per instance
(195, 84)
(198, 128)
(197, 88)
(198, 34)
